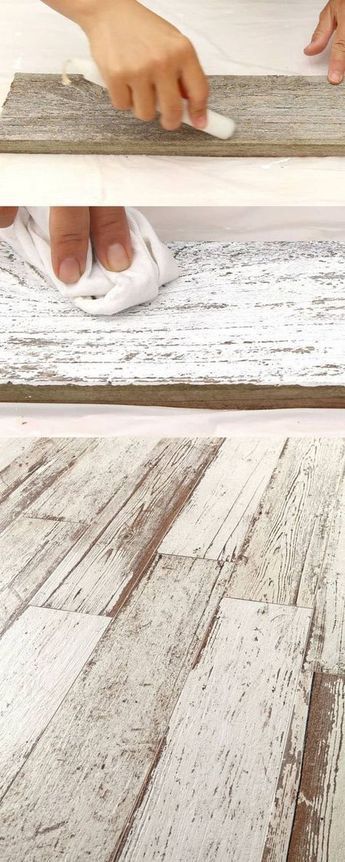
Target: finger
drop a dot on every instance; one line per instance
(7, 216)
(336, 66)
(323, 32)
(120, 94)
(144, 100)
(111, 237)
(69, 238)
(170, 102)
(194, 83)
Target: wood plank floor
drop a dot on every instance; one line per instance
(275, 116)
(251, 325)
(172, 668)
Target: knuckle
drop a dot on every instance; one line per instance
(339, 44)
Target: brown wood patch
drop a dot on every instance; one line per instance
(275, 116)
(318, 829)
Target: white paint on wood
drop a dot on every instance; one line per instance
(49, 460)
(18, 464)
(94, 479)
(80, 785)
(296, 506)
(326, 651)
(267, 313)
(12, 448)
(116, 549)
(214, 522)
(211, 793)
(30, 549)
(281, 818)
(41, 656)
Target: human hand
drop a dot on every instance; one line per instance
(71, 228)
(331, 22)
(144, 60)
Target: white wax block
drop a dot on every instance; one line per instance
(217, 125)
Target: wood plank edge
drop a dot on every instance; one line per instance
(214, 396)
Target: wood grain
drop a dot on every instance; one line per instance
(215, 521)
(212, 790)
(41, 656)
(297, 505)
(251, 325)
(80, 785)
(275, 116)
(283, 809)
(318, 831)
(106, 563)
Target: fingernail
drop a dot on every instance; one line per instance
(335, 77)
(200, 122)
(69, 270)
(117, 257)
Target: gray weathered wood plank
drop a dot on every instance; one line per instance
(296, 507)
(41, 656)
(215, 521)
(275, 116)
(108, 560)
(211, 793)
(318, 830)
(80, 785)
(250, 325)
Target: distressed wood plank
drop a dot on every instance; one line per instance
(318, 831)
(53, 459)
(296, 508)
(214, 522)
(275, 116)
(11, 449)
(282, 813)
(30, 549)
(106, 563)
(19, 462)
(256, 324)
(112, 721)
(93, 480)
(212, 790)
(41, 656)
(324, 584)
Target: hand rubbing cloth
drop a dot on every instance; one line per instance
(98, 291)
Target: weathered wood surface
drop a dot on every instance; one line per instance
(284, 536)
(318, 830)
(215, 521)
(275, 116)
(282, 812)
(108, 560)
(80, 785)
(212, 790)
(245, 325)
(41, 656)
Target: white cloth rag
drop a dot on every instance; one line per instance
(98, 291)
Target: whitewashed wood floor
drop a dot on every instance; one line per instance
(172, 650)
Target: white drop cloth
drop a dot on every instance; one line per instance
(98, 291)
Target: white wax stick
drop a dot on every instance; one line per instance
(217, 125)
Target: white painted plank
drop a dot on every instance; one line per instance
(282, 814)
(83, 490)
(215, 521)
(12, 448)
(18, 463)
(80, 785)
(240, 312)
(112, 555)
(52, 463)
(296, 507)
(30, 549)
(41, 655)
(318, 830)
(326, 650)
(211, 793)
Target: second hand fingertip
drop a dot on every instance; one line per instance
(70, 270)
(335, 77)
(117, 258)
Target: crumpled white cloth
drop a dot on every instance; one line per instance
(98, 291)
